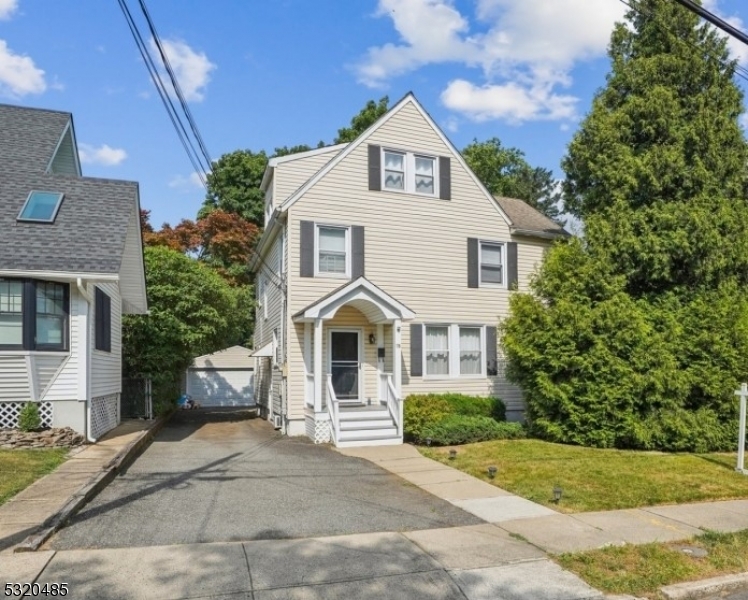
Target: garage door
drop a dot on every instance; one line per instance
(221, 387)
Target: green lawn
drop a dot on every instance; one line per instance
(594, 479)
(20, 468)
(642, 570)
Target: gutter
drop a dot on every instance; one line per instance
(89, 300)
(546, 235)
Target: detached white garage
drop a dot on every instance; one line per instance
(224, 378)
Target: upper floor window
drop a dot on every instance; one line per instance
(333, 250)
(491, 263)
(41, 207)
(34, 315)
(409, 172)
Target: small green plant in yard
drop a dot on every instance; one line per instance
(642, 570)
(20, 468)
(460, 429)
(29, 418)
(595, 478)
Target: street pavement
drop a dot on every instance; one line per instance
(219, 475)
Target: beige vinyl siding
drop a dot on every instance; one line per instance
(65, 384)
(106, 367)
(415, 248)
(15, 383)
(236, 357)
(264, 327)
(290, 176)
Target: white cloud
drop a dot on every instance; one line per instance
(103, 155)
(7, 8)
(18, 74)
(192, 181)
(525, 50)
(512, 102)
(192, 69)
(737, 48)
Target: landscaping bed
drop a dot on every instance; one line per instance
(642, 569)
(59, 437)
(597, 479)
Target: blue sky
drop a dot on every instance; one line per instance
(263, 74)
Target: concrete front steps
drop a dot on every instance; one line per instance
(367, 425)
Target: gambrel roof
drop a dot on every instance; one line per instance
(96, 232)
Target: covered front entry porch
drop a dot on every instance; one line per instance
(353, 366)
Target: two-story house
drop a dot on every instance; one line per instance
(383, 271)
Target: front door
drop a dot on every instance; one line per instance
(344, 364)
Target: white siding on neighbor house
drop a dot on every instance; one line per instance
(291, 175)
(106, 367)
(131, 268)
(236, 357)
(64, 159)
(15, 383)
(415, 250)
(65, 385)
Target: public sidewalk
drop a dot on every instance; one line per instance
(39, 510)
(548, 529)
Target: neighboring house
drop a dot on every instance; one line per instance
(383, 271)
(223, 378)
(72, 264)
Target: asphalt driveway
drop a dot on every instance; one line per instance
(214, 475)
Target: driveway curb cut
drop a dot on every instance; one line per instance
(698, 589)
(90, 489)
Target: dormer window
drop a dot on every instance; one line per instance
(41, 207)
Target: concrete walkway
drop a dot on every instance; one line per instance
(548, 529)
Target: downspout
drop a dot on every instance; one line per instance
(86, 342)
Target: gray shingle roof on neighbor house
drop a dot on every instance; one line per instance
(89, 232)
(29, 137)
(527, 219)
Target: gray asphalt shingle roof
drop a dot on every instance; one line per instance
(88, 235)
(524, 217)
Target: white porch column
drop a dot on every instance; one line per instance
(380, 361)
(318, 365)
(308, 366)
(396, 358)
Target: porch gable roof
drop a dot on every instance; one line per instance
(376, 304)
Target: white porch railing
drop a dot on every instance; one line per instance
(334, 410)
(394, 403)
(309, 390)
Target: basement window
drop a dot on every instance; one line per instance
(41, 207)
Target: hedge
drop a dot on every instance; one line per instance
(461, 429)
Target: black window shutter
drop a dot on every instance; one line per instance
(306, 259)
(103, 321)
(416, 350)
(472, 267)
(491, 364)
(511, 265)
(445, 178)
(357, 247)
(375, 168)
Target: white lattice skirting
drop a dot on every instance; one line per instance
(321, 432)
(104, 414)
(9, 412)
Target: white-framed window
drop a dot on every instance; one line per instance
(333, 251)
(262, 300)
(492, 264)
(276, 348)
(409, 172)
(454, 351)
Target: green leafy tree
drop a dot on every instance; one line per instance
(363, 120)
(636, 335)
(234, 186)
(193, 311)
(505, 172)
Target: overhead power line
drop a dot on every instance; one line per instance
(714, 20)
(195, 157)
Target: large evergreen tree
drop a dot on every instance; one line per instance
(635, 335)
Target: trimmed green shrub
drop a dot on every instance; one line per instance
(461, 429)
(476, 406)
(422, 411)
(29, 418)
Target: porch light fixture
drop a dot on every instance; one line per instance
(492, 471)
(372, 338)
(452, 454)
(557, 492)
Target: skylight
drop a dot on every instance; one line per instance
(41, 207)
